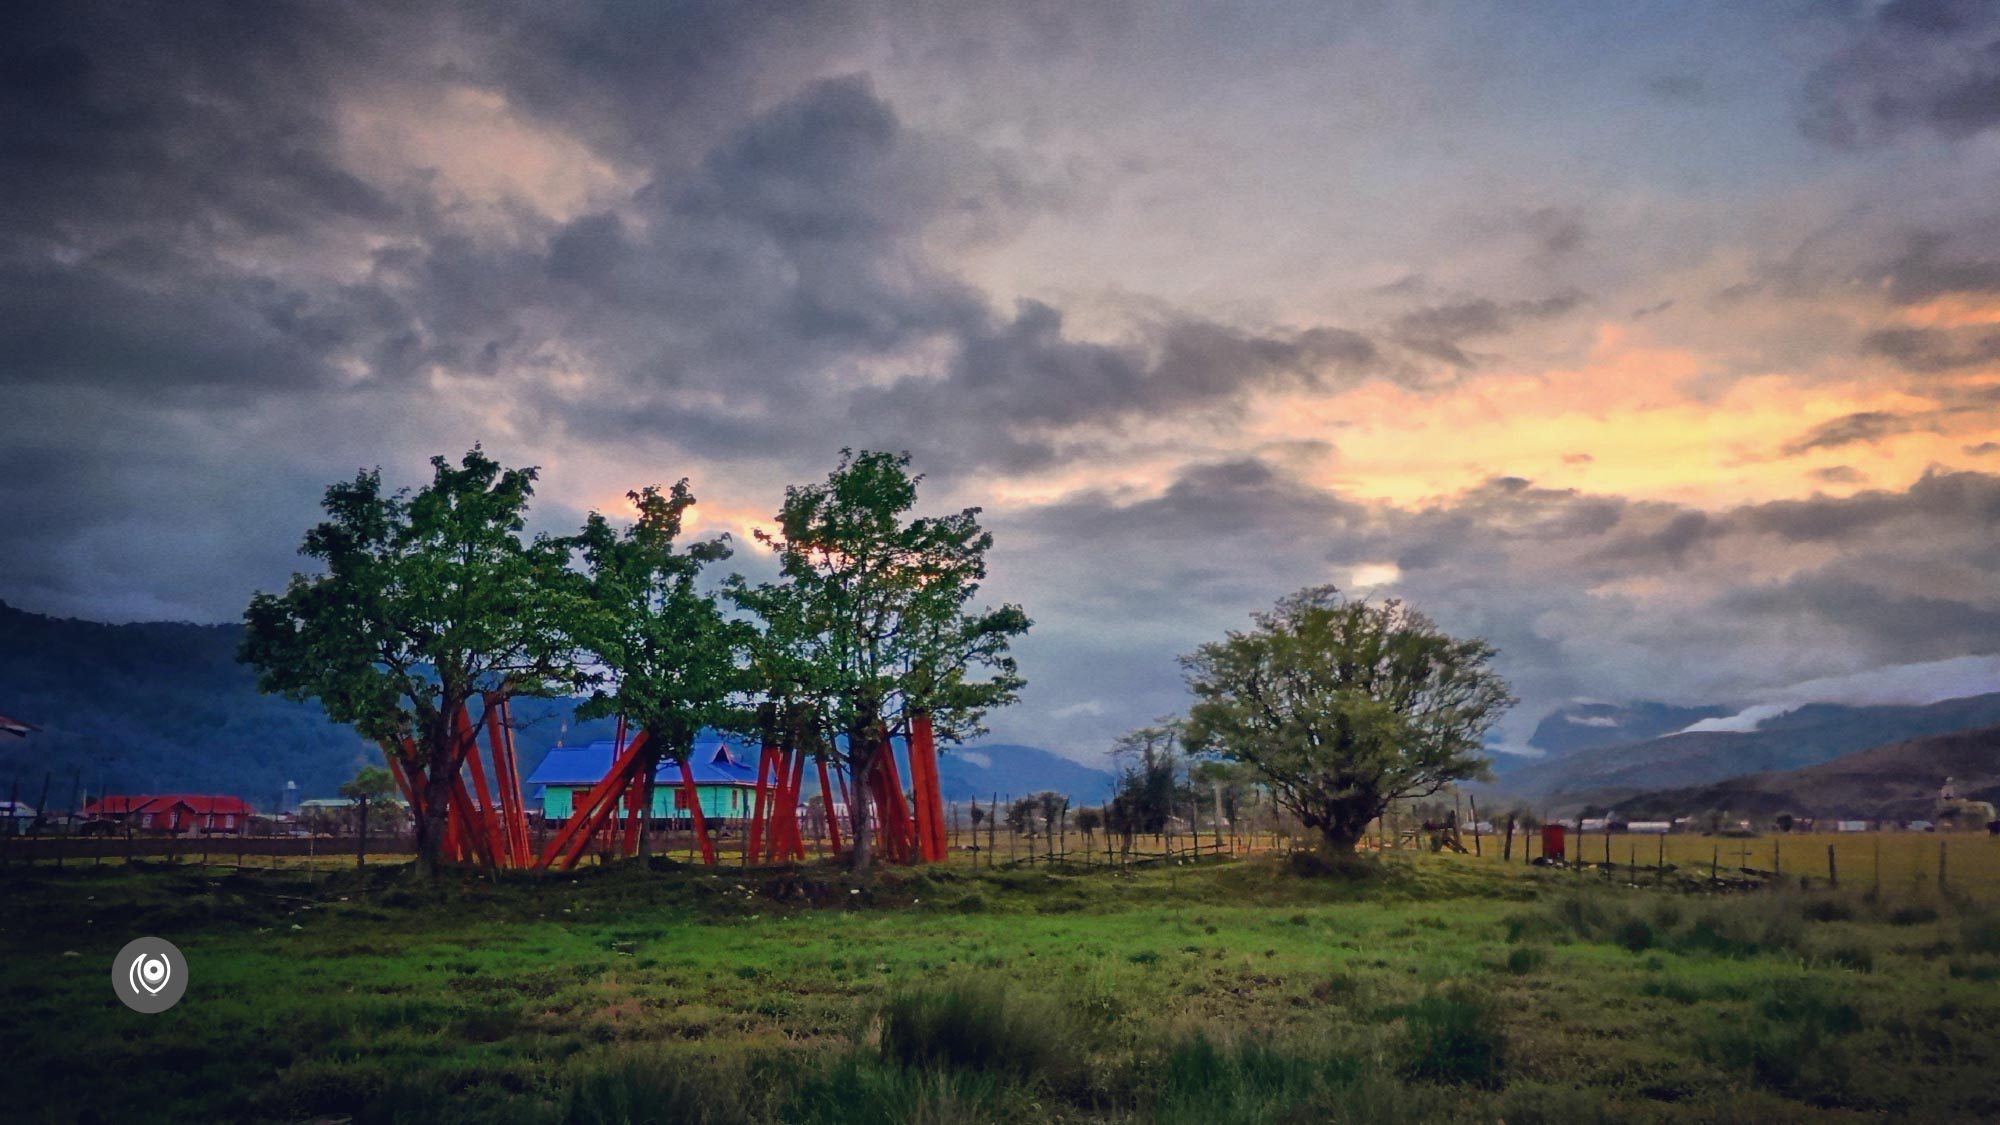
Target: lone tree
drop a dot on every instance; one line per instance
(428, 601)
(672, 655)
(1343, 706)
(370, 783)
(869, 623)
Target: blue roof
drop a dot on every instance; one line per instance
(587, 765)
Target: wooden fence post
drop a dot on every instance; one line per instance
(1832, 868)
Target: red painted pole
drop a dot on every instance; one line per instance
(482, 814)
(755, 837)
(635, 796)
(923, 742)
(794, 838)
(899, 808)
(694, 810)
(611, 783)
(920, 812)
(826, 800)
(601, 809)
(506, 778)
(522, 848)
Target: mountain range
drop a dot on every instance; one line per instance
(1899, 781)
(1811, 735)
(164, 707)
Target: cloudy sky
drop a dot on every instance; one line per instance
(1659, 344)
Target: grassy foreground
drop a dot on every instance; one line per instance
(1422, 988)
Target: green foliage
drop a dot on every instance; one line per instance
(369, 783)
(869, 619)
(1344, 706)
(1149, 786)
(673, 655)
(427, 599)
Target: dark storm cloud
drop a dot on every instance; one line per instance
(1839, 474)
(1930, 65)
(1983, 449)
(1438, 330)
(1931, 350)
(1538, 571)
(1928, 268)
(184, 121)
(1860, 428)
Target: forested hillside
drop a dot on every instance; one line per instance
(162, 706)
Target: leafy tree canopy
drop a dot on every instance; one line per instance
(427, 599)
(869, 621)
(672, 655)
(1342, 706)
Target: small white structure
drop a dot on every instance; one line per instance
(1651, 827)
(1850, 826)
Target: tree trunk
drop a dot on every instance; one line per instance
(646, 812)
(862, 746)
(438, 756)
(1337, 838)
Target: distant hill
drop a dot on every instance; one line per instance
(164, 707)
(981, 771)
(1899, 781)
(1808, 736)
(1589, 726)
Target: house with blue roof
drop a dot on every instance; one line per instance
(725, 780)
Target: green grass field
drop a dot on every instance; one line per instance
(1426, 988)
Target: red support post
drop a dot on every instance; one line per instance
(930, 793)
(518, 823)
(794, 839)
(611, 784)
(694, 812)
(483, 816)
(754, 839)
(774, 828)
(506, 779)
(898, 807)
(635, 796)
(826, 800)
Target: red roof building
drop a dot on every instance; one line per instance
(174, 813)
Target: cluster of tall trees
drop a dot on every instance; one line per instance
(431, 601)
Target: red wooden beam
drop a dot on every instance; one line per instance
(753, 841)
(694, 811)
(601, 806)
(507, 778)
(518, 823)
(826, 800)
(930, 791)
(484, 817)
(794, 839)
(613, 782)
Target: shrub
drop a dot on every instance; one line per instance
(1453, 1036)
(1829, 910)
(861, 1089)
(655, 1086)
(1979, 931)
(1914, 914)
(1525, 959)
(982, 1027)
(1856, 955)
(1635, 934)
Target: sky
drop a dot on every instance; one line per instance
(1657, 344)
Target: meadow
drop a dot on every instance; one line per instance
(1407, 988)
